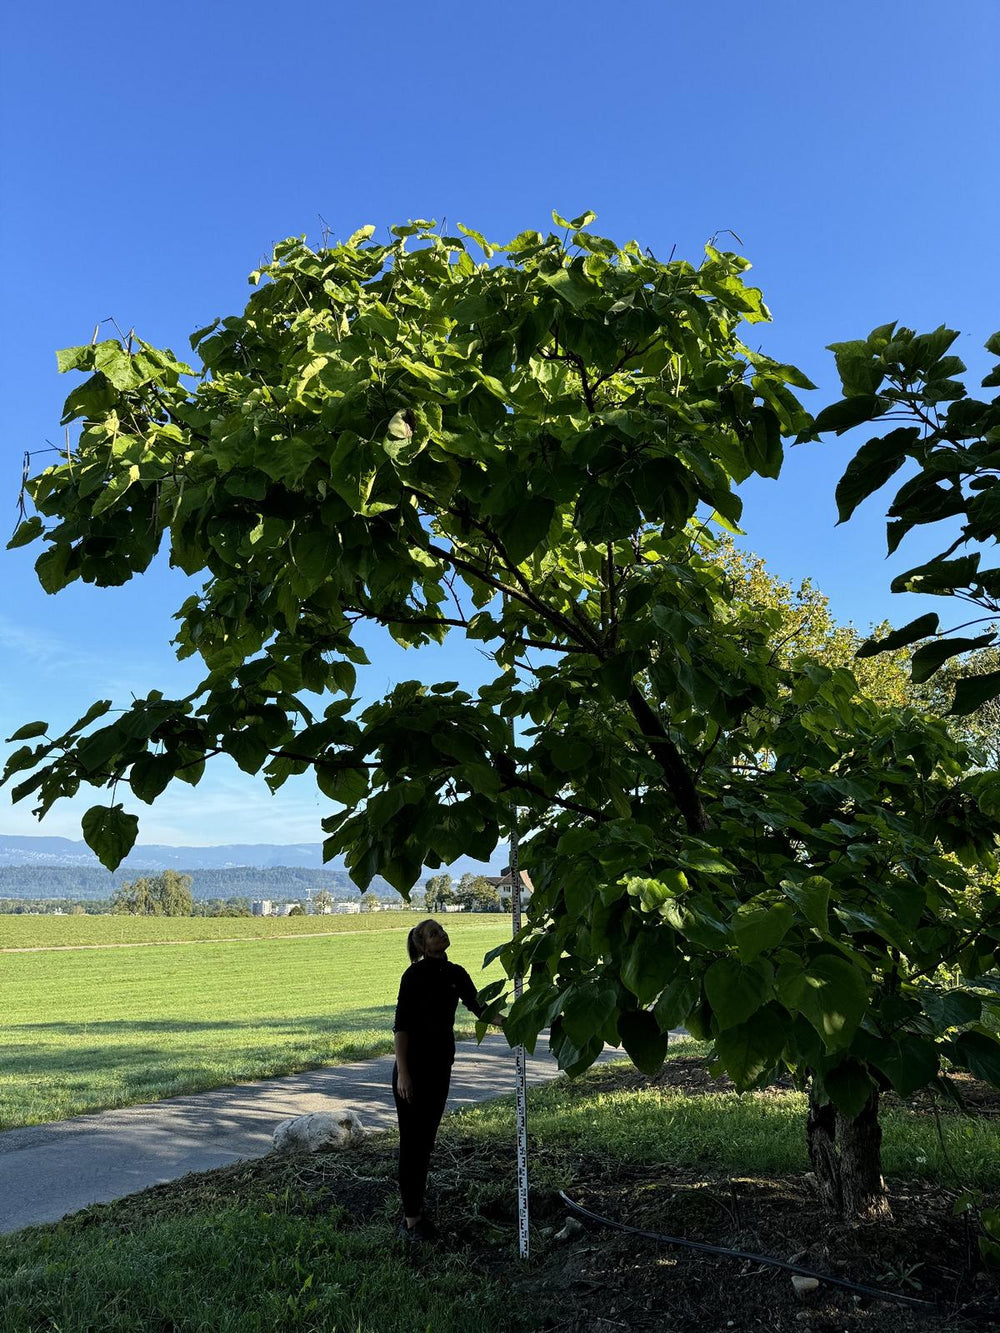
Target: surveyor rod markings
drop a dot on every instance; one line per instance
(521, 1098)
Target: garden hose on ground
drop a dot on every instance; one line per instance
(876, 1292)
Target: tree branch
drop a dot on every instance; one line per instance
(678, 777)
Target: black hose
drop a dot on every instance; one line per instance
(750, 1258)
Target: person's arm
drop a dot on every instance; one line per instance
(401, 1039)
(404, 1083)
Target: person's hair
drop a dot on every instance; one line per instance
(415, 939)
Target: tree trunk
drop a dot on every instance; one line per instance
(821, 1136)
(846, 1157)
(865, 1198)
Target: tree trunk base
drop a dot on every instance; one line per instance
(846, 1157)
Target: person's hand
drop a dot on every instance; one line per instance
(404, 1086)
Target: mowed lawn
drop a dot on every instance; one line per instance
(33, 932)
(88, 1028)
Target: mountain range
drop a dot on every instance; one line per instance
(38, 867)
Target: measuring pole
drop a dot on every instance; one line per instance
(522, 1100)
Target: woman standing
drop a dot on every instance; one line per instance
(424, 1041)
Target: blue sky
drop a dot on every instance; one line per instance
(151, 157)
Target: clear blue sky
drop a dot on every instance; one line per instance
(151, 157)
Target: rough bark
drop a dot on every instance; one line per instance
(865, 1197)
(821, 1136)
(846, 1157)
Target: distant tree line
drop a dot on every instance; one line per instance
(280, 883)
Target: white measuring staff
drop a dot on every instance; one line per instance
(522, 1101)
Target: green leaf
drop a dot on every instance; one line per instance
(929, 656)
(586, 1010)
(677, 1002)
(110, 833)
(899, 638)
(812, 898)
(150, 775)
(650, 962)
(645, 1044)
(971, 692)
(75, 358)
(750, 1049)
(604, 513)
(570, 753)
(571, 286)
(26, 532)
(346, 786)
(871, 467)
(523, 530)
(760, 929)
(849, 1087)
(847, 413)
(910, 1063)
(859, 370)
(951, 1008)
(979, 1053)
(29, 731)
(829, 992)
(735, 992)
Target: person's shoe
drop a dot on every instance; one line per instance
(423, 1230)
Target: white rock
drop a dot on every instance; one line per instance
(572, 1228)
(318, 1132)
(804, 1285)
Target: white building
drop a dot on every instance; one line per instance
(262, 907)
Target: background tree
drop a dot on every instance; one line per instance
(439, 892)
(370, 902)
(165, 894)
(476, 894)
(724, 833)
(322, 900)
(296, 909)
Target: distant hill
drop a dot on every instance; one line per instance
(276, 882)
(39, 867)
(22, 851)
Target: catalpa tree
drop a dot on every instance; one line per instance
(530, 449)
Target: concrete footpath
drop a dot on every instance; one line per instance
(47, 1171)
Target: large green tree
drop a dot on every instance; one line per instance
(722, 832)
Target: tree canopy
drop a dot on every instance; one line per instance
(536, 449)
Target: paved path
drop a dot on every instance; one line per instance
(47, 1171)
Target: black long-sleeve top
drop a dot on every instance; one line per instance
(429, 993)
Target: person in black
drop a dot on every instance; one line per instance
(424, 1041)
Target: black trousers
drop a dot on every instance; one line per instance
(418, 1126)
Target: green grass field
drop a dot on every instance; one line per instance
(86, 1029)
(50, 932)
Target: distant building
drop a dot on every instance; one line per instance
(504, 885)
(262, 907)
(344, 909)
